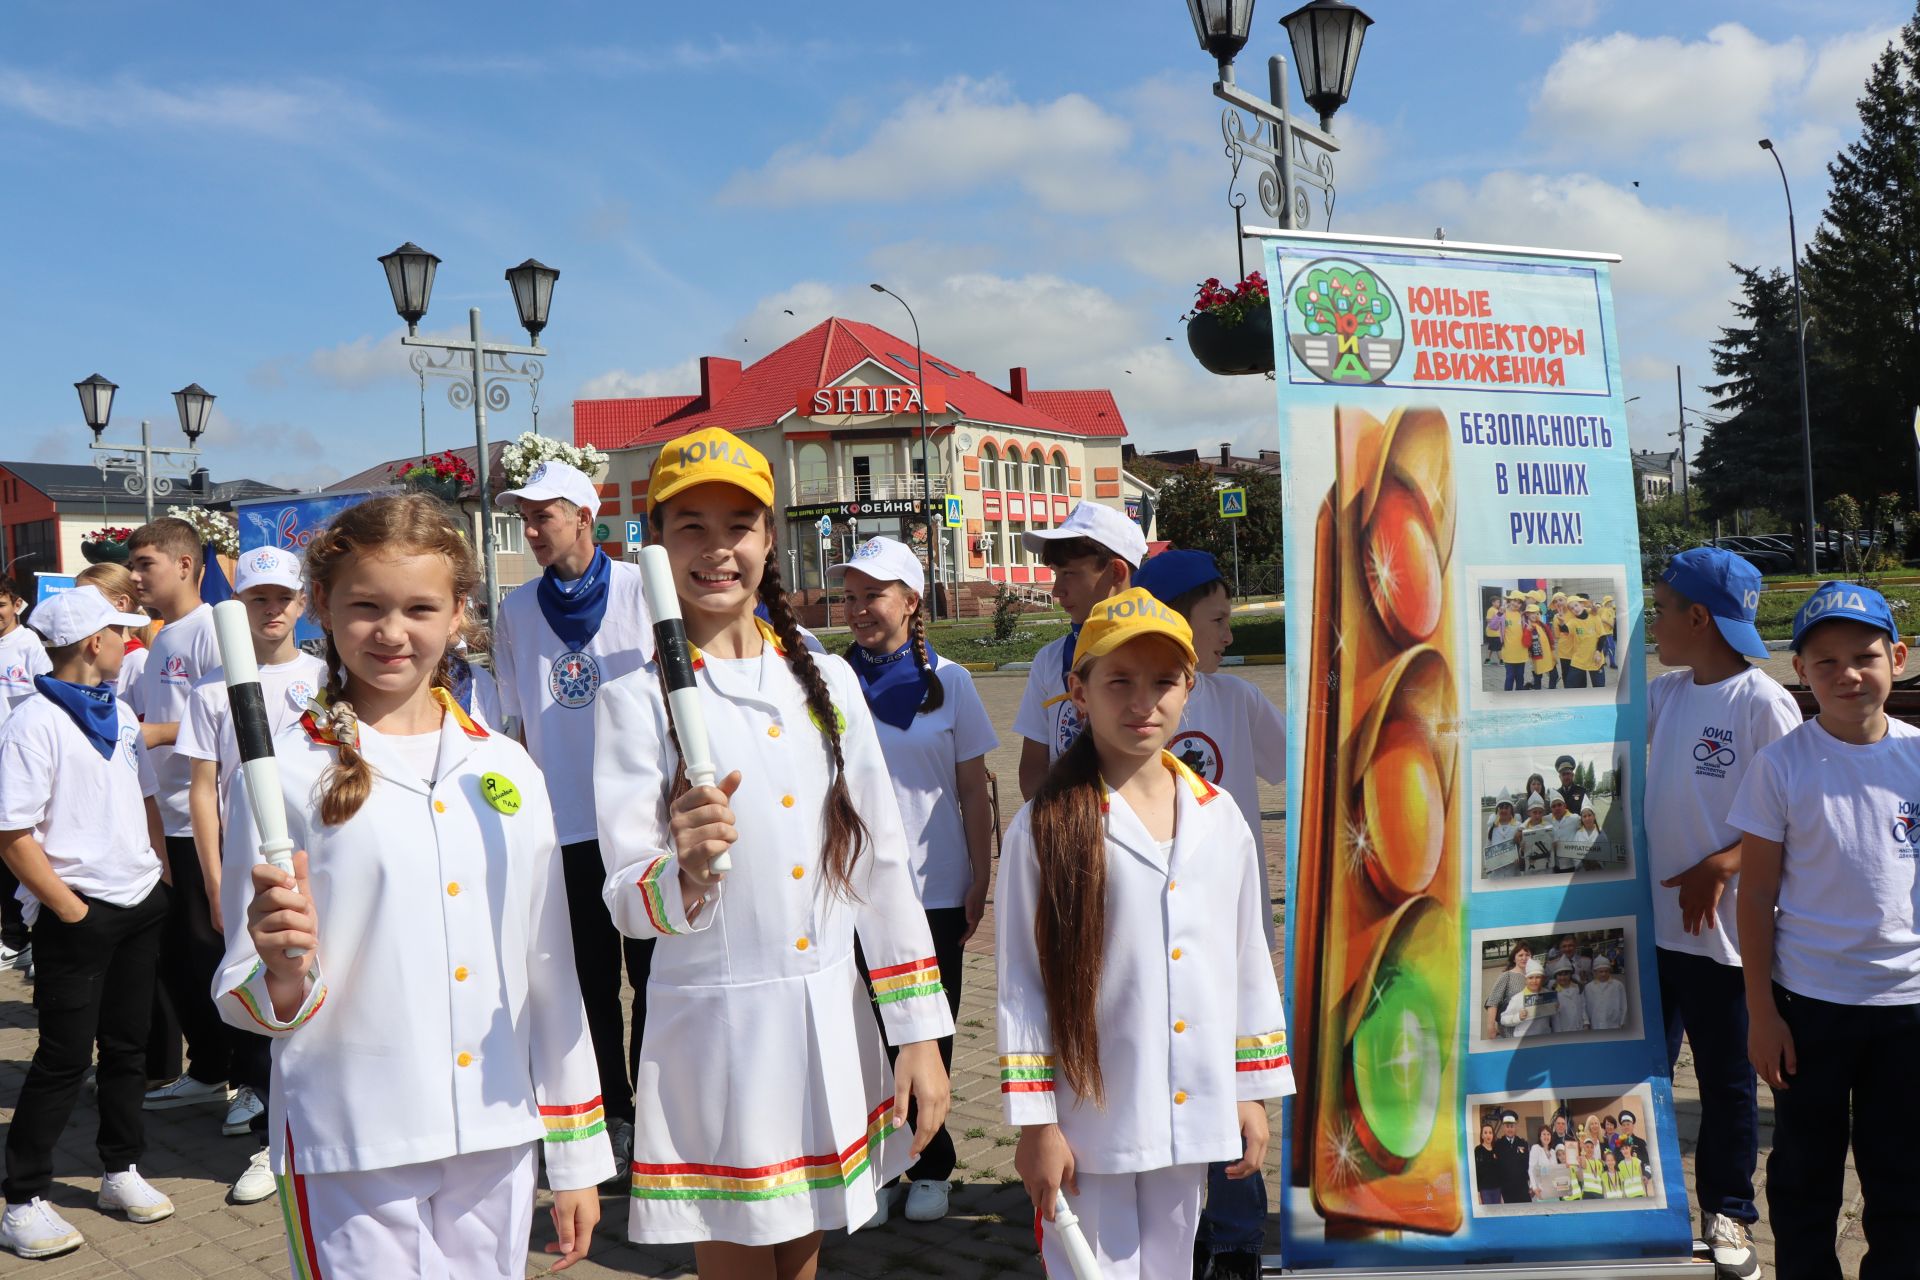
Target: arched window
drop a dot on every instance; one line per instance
(989, 466)
(1036, 471)
(811, 481)
(1057, 476)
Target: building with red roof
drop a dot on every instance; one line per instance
(837, 412)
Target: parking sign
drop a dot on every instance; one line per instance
(636, 532)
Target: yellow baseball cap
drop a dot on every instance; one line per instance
(1129, 616)
(709, 456)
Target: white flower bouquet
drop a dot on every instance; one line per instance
(518, 459)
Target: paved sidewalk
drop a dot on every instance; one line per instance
(988, 1234)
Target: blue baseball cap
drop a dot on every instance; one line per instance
(1843, 602)
(1727, 587)
(1172, 574)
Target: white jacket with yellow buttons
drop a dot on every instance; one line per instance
(1189, 1012)
(763, 1095)
(442, 1015)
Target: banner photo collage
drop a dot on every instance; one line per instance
(1473, 1012)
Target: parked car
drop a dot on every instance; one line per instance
(1765, 558)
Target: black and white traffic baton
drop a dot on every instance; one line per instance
(250, 729)
(671, 651)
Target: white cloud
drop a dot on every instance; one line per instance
(289, 112)
(1701, 104)
(1549, 15)
(367, 360)
(674, 380)
(961, 136)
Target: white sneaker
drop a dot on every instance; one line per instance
(21, 959)
(185, 1092)
(245, 1106)
(133, 1195)
(34, 1230)
(7, 954)
(883, 1206)
(1733, 1254)
(258, 1182)
(927, 1200)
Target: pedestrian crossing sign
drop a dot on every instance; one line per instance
(956, 511)
(1233, 504)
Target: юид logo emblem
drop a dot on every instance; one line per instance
(1348, 328)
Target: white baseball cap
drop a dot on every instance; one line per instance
(887, 559)
(1098, 523)
(557, 480)
(267, 567)
(72, 616)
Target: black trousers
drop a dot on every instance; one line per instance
(1855, 1073)
(189, 957)
(947, 925)
(598, 951)
(93, 984)
(13, 925)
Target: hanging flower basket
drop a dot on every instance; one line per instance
(445, 488)
(105, 551)
(443, 475)
(1231, 330)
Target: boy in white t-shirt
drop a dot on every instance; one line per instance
(1229, 734)
(1093, 554)
(1705, 726)
(22, 657)
(79, 828)
(1828, 938)
(268, 581)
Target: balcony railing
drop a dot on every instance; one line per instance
(881, 486)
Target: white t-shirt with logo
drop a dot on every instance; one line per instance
(87, 812)
(1230, 735)
(1703, 739)
(921, 759)
(128, 683)
(1849, 818)
(207, 732)
(182, 655)
(1056, 725)
(22, 657)
(551, 690)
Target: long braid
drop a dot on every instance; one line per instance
(348, 781)
(936, 692)
(846, 834)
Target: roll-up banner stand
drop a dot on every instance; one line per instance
(1460, 516)
(289, 524)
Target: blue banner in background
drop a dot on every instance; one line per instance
(1462, 546)
(289, 524)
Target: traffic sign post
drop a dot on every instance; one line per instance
(1233, 506)
(636, 532)
(956, 511)
(825, 528)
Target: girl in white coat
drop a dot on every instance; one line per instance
(1140, 1025)
(429, 1044)
(765, 1111)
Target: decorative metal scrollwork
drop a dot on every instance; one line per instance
(1312, 167)
(497, 370)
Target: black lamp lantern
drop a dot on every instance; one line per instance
(410, 277)
(96, 402)
(1222, 26)
(1326, 37)
(532, 284)
(194, 403)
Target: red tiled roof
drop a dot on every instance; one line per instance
(1085, 413)
(766, 391)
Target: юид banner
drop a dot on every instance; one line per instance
(289, 524)
(1466, 701)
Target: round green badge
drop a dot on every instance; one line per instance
(500, 793)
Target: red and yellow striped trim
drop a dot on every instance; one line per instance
(572, 1123)
(1026, 1073)
(325, 736)
(1261, 1053)
(905, 981)
(293, 1210)
(764, 1182)
(1204, 792)
(650, 894)
(252, 1006)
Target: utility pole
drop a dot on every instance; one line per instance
(1686, 485)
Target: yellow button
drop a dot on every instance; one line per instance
(1173, 884)
(786, 801)
(1177, 1027)
(801, 945)
(773, 731)
(1176, 953)
(1180, 1099)
(466, 1060)
(439, 806)
(460, 974)
(797, 873)
(453, 891)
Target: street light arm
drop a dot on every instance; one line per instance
(926, 463)
(1800, 335)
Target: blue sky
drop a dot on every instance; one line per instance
(199, 194)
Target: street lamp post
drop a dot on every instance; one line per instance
(1326, 36)
(479, 370)
(1800, 332)
(193, 403)
(926, 467)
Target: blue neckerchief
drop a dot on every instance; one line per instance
(574, 610)
(460, 672)
(1066, 653)
(91, 706)
(892, 682)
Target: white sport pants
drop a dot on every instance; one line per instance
(1141, 1225)
(467, 1218)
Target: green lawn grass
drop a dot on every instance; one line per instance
(971, 640)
